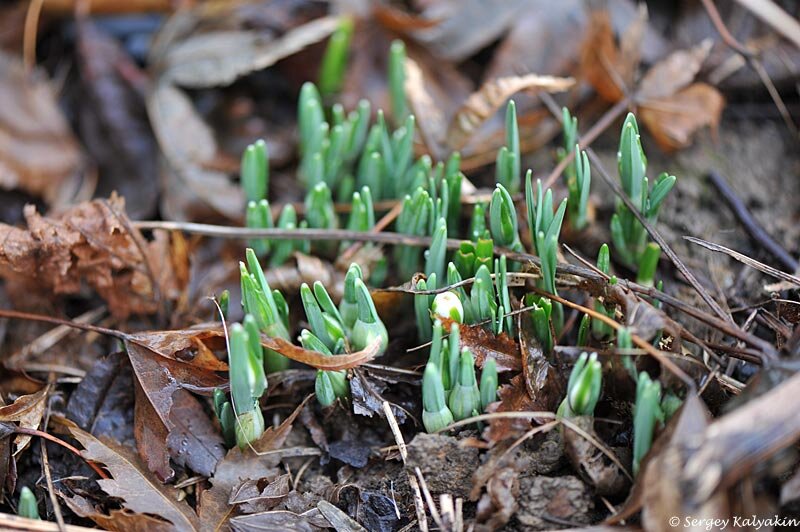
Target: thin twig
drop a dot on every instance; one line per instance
(744, 259)
(750, 224)
(751, 60)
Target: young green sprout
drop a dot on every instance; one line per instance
(488, 387)
(328, 385)
(627, 233)
(438, 353)
(579, 190)
(625, 344)
(368, 327)
(602, 330)
(505, 322)
(646, 413)
(569, 124)
(507, 165)
(448, 305)
(503, 219)
(259, 216)
(482, 296)
(283, 249)
(226, 417)
(435, 255)
(322, 315)
(27, 507)
(477, 225)
(422, 307)
(267, 306)
(453, 346)
(435, 414)
(465, 397)
(255, 171)
(648, 264)
(334, 62)
(348, 306)
(583, 388)
(542, 309)
(413, 220)
(397, 79)
(248, 384)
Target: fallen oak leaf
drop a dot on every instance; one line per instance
(139, 492)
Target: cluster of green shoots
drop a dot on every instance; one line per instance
(352, 326)
(627, 233)
(450, 390)
(346, 157)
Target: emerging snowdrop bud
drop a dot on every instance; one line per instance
(435, 414)
(448, 305)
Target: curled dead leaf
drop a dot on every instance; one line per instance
(483, 103)
(672, 120)
(320, 361)
(27, 410)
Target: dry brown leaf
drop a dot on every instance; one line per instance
(513, 397)
(92, 243)
(542, 379)
(674, 119)
(319, 361)
(217, 58)
(139, 492)
(674, 72)
(38, 152)
(483, 103)
(27, 410)
(116, 520)
(158, 378)
(485, 344)
(601, 62)
(593, 465)
(191, 188)
(239, 467)
(194, 442)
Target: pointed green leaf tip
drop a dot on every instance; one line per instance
(503, 218)
(583, 389)
(255, 171)
(646, 412)
(435, 414)
(348, 306)
(488, 387)
(27, 506)
(465, 396)
(368, 326)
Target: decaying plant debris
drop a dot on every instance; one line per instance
(283, 265)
